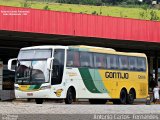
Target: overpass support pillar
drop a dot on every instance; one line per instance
(156, 68)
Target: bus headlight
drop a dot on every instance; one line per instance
(45, 87)
(16, 88)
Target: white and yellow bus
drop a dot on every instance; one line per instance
(75, 72)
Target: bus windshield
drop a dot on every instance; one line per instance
(32, 69)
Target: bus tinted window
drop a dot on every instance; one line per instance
(99, 60)
(70, 58)
(86, 59)
(76, 59)
(59, 57)
(132, 63)
(58, 66)
(123, 62)
(141, 64)
(73, 59)
(112, 62)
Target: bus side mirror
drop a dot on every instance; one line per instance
(49, 61)
(10, 64)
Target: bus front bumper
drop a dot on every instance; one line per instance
(38, 94)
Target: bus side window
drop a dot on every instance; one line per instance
(141, 64)
(132, 63)
(70, 58)
(123, 62)
(99, 60)
(76, 59)
(112, 62)
(86, 59)
(73, 59)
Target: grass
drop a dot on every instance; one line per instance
(137, 13)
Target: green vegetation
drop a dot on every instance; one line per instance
(138, 13)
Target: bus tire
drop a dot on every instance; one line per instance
(131, 97)
(39, 101)
(123, 97)
(70, 96)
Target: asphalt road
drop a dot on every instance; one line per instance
(24, 107)
(27, 109)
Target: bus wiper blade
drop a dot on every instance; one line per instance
(22, 78)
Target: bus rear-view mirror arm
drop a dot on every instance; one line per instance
(10, 64)
(49, 61)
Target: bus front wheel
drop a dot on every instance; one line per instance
(39, 100)
(70, 96)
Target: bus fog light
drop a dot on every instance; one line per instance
(45, 87)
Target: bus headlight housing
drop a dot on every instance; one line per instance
(16, 88)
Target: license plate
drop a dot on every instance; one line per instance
(29, 94)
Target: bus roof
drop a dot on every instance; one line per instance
(45, 47)
(104, 50)
(86, 48)
(91, 48)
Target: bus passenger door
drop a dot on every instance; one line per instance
(58, 67)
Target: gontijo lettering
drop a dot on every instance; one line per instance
(117, 75)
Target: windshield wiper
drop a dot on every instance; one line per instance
(21, 79)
